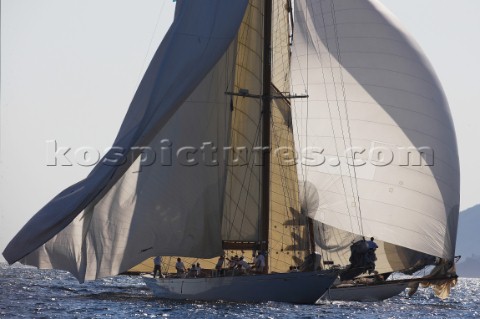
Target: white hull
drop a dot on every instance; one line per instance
(295, 287)
(363, 292)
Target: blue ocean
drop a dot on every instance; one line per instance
(27, 292)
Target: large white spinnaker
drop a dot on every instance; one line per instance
(375, 138)
(116, 217)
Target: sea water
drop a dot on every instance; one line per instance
(27, 292)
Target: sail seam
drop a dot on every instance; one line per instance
(335, 28)
(314, 18)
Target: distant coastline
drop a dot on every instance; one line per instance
(468, 239)
(470, 268)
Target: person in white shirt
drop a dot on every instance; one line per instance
(157, 266)
(199, 270)
(260, 263)
(243, 264)
(180, 267)
(232, 263)
(193, 271)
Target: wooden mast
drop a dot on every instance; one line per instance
(266, 114)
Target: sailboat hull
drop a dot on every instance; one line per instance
(295, 287)
(374, 292)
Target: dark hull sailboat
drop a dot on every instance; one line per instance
(218, 79)
(294, 287)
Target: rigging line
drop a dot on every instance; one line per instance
(306, 122)
(294, 109)
(284, 171)
(227, 117)
(299, 171)
(223, 132)
(355, 180)
(283, 179)
(291, 22)
(151, 41)
(277, 37)
(241, 61)
(338, 240)
(251, 173)
(297, 229)
(303, 172)
(310, 232)
(323, 231)
(298, 125)
(278, 130)
(266, 67)
(228, 121)
(244, 180)
(288, 202)
(329, 107)
(298, 138)
(339, 247)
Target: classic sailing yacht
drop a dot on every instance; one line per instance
(387, 163)
(340, 83)
(381, 128)
(193, 171)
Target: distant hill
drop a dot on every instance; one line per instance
(468, 242)
(469, 267)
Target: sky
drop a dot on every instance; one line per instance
(69, 70)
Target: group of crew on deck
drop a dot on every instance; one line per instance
(362, 259)
(192, 272)
(224, 266)
(238, 265)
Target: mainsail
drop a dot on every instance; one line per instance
(376, 136)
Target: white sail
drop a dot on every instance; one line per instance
(114, 218)
(374, 106)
